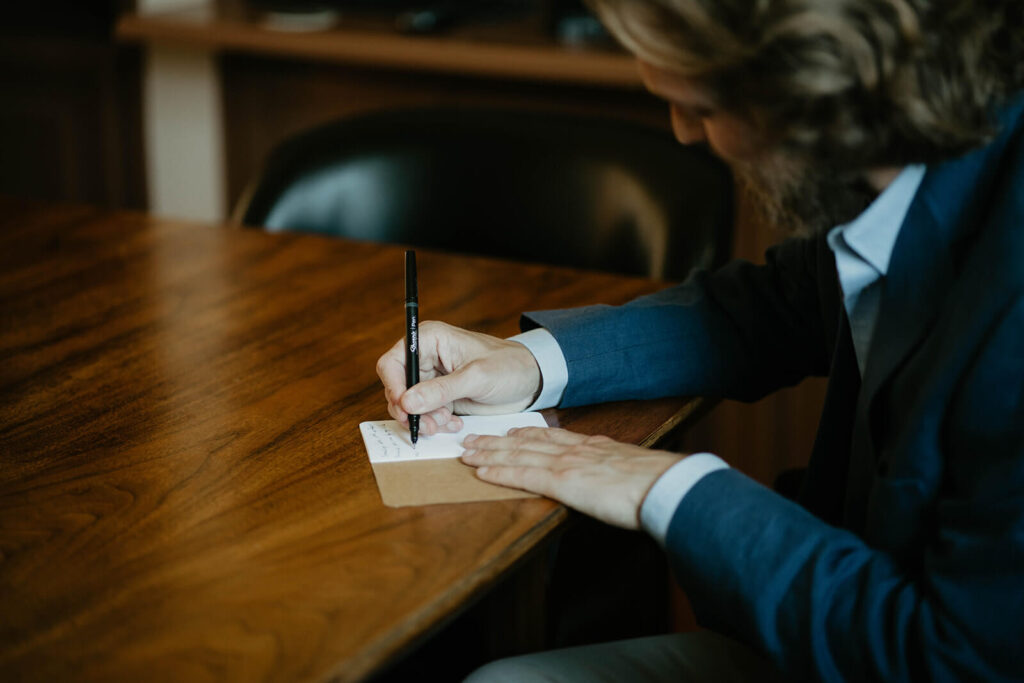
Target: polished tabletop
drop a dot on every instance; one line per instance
(184, 492)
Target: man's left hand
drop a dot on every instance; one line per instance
(593, 474)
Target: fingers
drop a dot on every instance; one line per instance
(391, 365)
(517, 461)
(552, 435)
(519, 449)
(476, 372)
(512, 458)
(534, 479)
(391, 370)
(427, 401)
(511, 445)
(454, 424)
(530, 458)
(431, 394)
(502, 449)
(440, 420)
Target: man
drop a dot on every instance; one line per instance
(904, 558)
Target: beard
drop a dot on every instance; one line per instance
(799, 198)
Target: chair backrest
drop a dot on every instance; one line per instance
(544, 187)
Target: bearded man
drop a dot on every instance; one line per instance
(888, 135)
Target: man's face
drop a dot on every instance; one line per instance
(793, 195)
(696, 117)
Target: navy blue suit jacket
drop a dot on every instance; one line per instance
(905, 556)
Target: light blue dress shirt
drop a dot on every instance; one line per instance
(862, 249)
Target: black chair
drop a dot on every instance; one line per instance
(542, 187)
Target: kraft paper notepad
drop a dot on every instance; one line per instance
(432, 472)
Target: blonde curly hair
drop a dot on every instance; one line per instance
(852, 83)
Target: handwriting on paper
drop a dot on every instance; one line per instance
(388, 441)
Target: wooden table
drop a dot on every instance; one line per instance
(184, 493)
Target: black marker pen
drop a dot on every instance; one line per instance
(412, 336)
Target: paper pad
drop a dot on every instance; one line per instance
(432, 472)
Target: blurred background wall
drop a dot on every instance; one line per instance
(70, 104)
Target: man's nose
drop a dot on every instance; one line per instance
(688, 129)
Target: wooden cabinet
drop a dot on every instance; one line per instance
(70, 126)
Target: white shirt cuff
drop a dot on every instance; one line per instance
(668, 492)
(554, 373)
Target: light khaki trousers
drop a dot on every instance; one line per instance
(697, 656)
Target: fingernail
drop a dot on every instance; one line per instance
(469, 439)
(413, 403)
(468, 453)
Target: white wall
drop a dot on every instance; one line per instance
(184, 135)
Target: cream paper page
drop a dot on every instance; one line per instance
(388, 441)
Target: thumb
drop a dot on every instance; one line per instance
(442, 391)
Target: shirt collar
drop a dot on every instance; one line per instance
(872, 235)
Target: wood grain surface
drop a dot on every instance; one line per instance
(184, 493)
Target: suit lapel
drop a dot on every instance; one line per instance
(920, 273)
(948, 207)
(827, 471)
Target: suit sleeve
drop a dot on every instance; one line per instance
(826, 605)
(740, 332)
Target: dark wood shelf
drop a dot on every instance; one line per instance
(520, 49)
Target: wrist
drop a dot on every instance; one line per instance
(552, 373)
(531, 371)
(667, 492)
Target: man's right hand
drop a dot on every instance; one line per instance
(461, 372)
